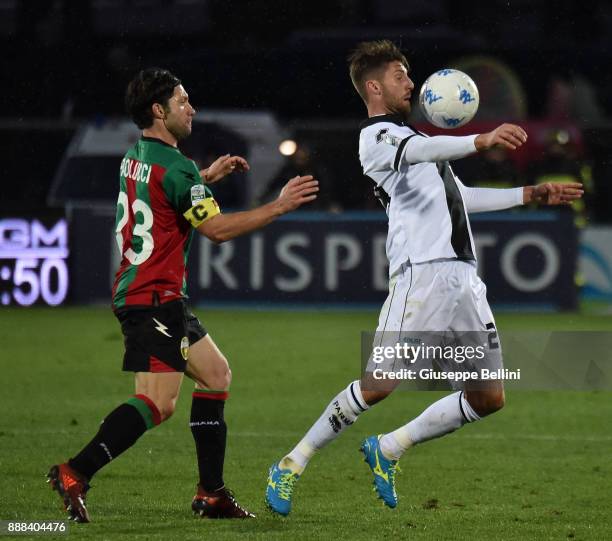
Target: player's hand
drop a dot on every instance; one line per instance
(552, 193)
(223, 166)
(508, 136)
(296, 192)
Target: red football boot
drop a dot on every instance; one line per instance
(72, 489)
(218, 504)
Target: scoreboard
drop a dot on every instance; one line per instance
(33, 261)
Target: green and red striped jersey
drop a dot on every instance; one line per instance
(161, 196)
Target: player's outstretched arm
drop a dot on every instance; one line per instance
(490, 199)
(416, 149)
(552, 193)
(223, 166)
(224, 227)
(508, 136)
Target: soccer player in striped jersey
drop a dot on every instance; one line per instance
(433, 284)
(163, 198)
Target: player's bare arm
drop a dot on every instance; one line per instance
(551, 193)
(508, 136)
(224, 227)
(223, 166)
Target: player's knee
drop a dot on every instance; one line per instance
(223, 375)
(373, 391)
(228, 378)
(498, 400)
(486, 403)
(220, 379)
(373, 397)
(166, 409)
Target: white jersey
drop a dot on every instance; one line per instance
(424, 200)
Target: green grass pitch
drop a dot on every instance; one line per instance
(539, 469)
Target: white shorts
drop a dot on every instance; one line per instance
(445, 295)
(440, 303)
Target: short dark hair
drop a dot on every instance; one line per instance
(370, 56)
(151, 85)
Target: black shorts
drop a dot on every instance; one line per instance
(157, 338)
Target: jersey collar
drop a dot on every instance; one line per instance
(394, 118)
(155, 140)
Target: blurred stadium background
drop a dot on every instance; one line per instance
(270, 82)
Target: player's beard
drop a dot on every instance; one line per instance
(179, 132)
(398, 105)
(404, 107)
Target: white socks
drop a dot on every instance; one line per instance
(444, 416)
(341, 413)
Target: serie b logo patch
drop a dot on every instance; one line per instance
(198, 192)
(185, 347)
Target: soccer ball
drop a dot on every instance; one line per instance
(449, 98)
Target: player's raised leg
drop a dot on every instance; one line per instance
(444, 416)
(153, 403)
(209, 369)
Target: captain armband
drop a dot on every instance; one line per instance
(203, 210)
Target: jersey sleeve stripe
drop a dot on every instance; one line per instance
(400, 150)
(417, 132)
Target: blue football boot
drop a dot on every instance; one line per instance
(384, 470)
(280, 489)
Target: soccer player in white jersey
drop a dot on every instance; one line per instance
(432, 264)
